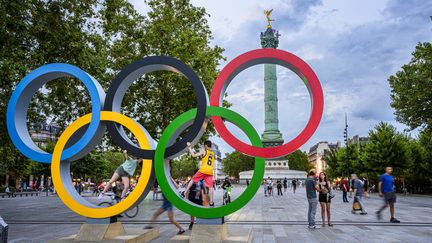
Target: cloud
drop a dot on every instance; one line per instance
(353, 46)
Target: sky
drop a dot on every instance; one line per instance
(353, 47)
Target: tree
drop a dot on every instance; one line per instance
(236, 162)
(418, 177)
(411, 92)
(174, 28)
(102, 37)
(184, 167)
(331, 159)
(386, 147)
(298, 160)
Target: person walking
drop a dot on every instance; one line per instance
(386, 191)
(311, 188)
(270, 186)
(344, 187)
(323, 198)
(294, 185)
(366, 187)
(265, 187)
(166, 207)
(358, 193)
(279, 188)
(285, 184)
(351, 187)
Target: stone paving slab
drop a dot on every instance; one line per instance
(272, 219)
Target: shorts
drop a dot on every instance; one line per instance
(323, 197)
(390, 197)
(166, 205)
(208, 179)
(121, 172)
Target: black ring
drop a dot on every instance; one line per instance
(137, 69)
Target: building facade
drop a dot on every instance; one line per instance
(218, 168)
(357, 140)
(318, 151)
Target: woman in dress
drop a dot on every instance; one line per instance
(324, 200)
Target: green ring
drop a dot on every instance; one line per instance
(188, 207)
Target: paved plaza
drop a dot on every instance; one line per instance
(272, 219)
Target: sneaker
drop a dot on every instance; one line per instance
(181, 232)
(353, 212)
(394, 220)
(211, 204)
(378, 214)
(313, 227)
(148, 227)
(100, 196)
(190, 226)
(363, 213)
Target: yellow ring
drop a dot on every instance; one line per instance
(98, 212)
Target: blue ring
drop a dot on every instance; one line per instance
(22, 95)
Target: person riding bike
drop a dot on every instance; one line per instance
(226, 186)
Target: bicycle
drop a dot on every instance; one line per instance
(131, 213)
(227, 196)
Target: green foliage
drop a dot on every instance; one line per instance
(386, 147)
(411, 92)
(410, 158)
(236, 162)
(298, 160)
(100, 37)
(184, 167)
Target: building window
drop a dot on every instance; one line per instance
(279, 164)
(284, 164)
(274, 164)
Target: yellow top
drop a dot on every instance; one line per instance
(207, 163)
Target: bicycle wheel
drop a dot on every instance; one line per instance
(105, 204)
(131, 213)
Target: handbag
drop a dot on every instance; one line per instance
(330, 194)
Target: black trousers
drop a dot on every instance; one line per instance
(344, 196)
(279, 191)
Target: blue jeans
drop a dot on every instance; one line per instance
(313, 204)
(360, 200)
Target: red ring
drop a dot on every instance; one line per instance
(260, 56)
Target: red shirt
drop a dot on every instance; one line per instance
(344, 185)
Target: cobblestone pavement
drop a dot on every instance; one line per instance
(272, 219)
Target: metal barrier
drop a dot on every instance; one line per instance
(3, 231)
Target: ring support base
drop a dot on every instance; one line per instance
(212, 231)
(109, 233)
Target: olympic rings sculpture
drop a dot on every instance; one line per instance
(80, 137)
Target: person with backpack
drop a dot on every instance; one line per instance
(285, 184)
(294, 185)
(279, 188)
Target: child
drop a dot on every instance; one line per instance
(206, 169)
(124, 171)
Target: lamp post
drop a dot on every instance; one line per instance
(346, 143)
